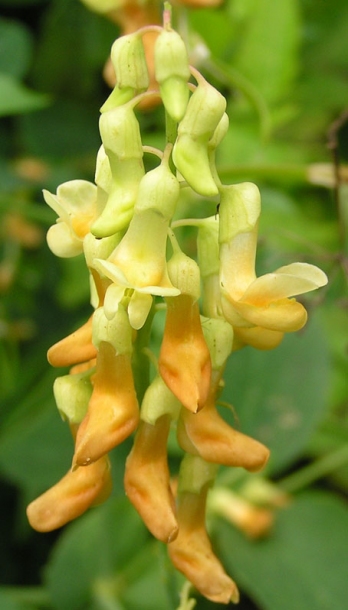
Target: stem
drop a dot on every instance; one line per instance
(141, 362)
(315, 471)
(171, 133)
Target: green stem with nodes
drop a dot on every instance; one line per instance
(315, 471)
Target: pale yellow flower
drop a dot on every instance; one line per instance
(260, 309)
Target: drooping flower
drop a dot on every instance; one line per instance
(77, 491)
(147, 479)
(113, 412)
(75, 348)
(191, 551)
(184, 361)
(147, 476)
(260, 309)
(206, 433)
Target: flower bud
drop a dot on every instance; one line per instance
(159, 400)
(219, 132)
(172, 72)
(209, 264)
(128, 59)
(116, 331)
(102, 178)
(159, 190)
(219, 337)
(190, 153)
(119, 130)
(240, 208)
(99, 248)
(208, 246)
(72, 394)
(184, 273)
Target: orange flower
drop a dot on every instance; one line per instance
(74, 349)
(113, 412)
(77, 491)
(191, 551)
(207, 434)
(147, 479)
(184, 361)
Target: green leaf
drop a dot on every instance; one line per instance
(36, 450)
(280, 396)
(268, 53)
(302, 564)
(16, 48)
(7, 602)
(16, 98)
(23, 598)
(105, 560)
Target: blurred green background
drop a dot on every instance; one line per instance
(283, 66)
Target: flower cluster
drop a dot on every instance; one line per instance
(123, 225)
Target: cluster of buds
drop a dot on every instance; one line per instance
(124, 226)
(130, 16)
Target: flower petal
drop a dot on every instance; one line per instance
(285, 282)
(63, 242)
(285, 315)
(138, 309)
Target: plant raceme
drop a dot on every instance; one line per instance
(123, 225)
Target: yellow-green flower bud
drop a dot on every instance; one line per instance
(219, 132)
(184, 273)
(72, 394)
(219, 337)
(99, 248)
(159, 400)
(191, 150)
(102, 178)
(159, 190)
(128, 59)
(120, 133)
(208, 246)
(239, 211)
(195, 473)
(172, 72)
(209, 264)
(116, 331)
